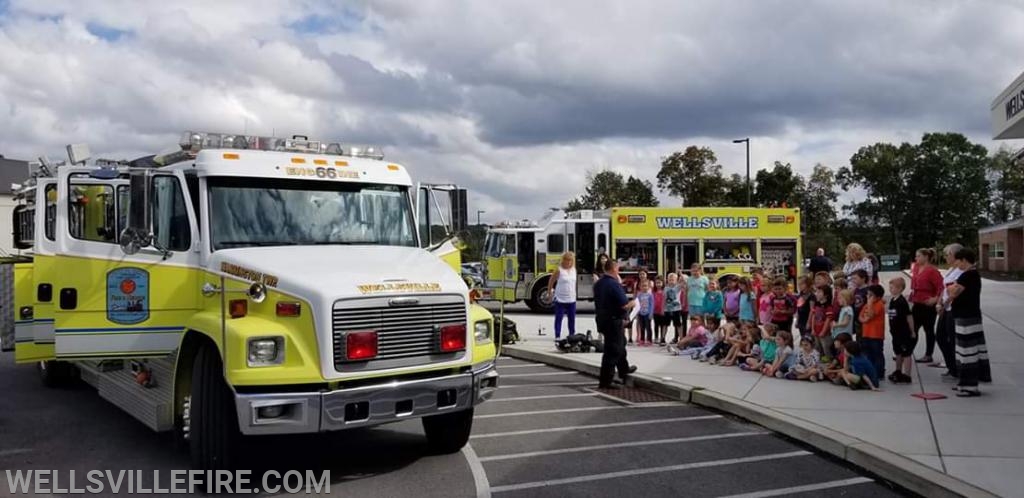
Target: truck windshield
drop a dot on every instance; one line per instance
(247, 212)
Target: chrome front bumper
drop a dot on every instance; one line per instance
(364, 406)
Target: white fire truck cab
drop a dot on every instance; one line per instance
(246, 285)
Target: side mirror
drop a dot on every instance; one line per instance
(137, 234)
(459, 206)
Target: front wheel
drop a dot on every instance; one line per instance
(448, 433)
(541, 301)
(211, 423)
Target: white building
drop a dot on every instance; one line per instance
(11, 171)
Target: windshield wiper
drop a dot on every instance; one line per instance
(256, 243)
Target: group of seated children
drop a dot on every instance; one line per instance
(822, 345)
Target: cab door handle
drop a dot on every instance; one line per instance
(68, 298)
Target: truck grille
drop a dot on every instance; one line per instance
(405, 332)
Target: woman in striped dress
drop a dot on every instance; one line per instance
(971, 352)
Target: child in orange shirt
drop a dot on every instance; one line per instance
(872, 319)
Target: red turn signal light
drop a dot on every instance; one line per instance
(453, 338)
(361, 345)
(237, 308)
(288, 308)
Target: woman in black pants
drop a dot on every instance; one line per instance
(946, 334)
(925, 289)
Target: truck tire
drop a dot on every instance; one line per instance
(213, 435)
(541, 301)
(55, 373)
(448, 433)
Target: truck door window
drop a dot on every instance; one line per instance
(50, 222)
(91, 210)
(556, 243)
(171, 230)
(637, 255)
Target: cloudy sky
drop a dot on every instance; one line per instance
(515, 100)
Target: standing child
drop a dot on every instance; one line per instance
(713, 303)
(764, 308)
(757, 281)
(696, 286)
(808, 363)
(643, 318)
(748, 302)
(805, 287)
(822, 314)
(872, 319)
(783, 305)
(765, 352)
(731, 308)
(673, 305)
(860, 370)
(660, 323)
(641, 280)
(859, 285)
(784, 357)
(844, 321)
(822, 279)
(904, 336)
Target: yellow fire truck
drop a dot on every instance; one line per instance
(248, 285)
(521, 256)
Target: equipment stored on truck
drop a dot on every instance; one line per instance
(521, 256)
(246, 285)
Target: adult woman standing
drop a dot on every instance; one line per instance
(971, 352)
(857, 259)
(563, 284)
(925, 289)
(599, 267)
(945, 335)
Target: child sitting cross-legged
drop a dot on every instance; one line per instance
(834, 370)
(740, 347)
(764, 354)
(808, 365)
(696, 338)
(723, 340)
(784, 356)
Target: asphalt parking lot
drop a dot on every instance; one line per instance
(547, 432)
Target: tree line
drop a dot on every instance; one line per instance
(905, 196)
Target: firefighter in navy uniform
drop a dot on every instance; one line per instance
(611, 306)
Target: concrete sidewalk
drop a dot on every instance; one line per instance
(976, 440)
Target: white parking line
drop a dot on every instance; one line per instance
(542, 374)
(561, 410)
(547, 396)
(621, 445)
(801, 489)
(639, 472)
(523, 365)
(544, 384)
(595, 426)
(483, 486)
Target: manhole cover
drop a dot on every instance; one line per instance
(634, 395)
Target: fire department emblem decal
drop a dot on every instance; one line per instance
(127, 295)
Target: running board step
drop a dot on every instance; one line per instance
(116, 383)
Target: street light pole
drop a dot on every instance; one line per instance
(478, 213)
(747, 142)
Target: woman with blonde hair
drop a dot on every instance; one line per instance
(562, 288)
(857, 259)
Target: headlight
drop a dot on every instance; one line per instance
(265, 351)
(482, 332)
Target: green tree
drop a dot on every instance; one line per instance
(1006, 181)
(694, 176)
(818, 212)
(923, 195)
(778, 185)
(607, 188)
(735, 191)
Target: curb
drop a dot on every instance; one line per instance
(904, 472)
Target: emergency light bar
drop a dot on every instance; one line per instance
(192, 142)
